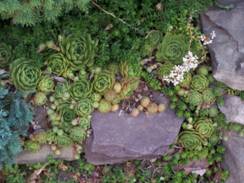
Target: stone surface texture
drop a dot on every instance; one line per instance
(120, 137)
(233, 109)
(26, 157)
(227, 49)
(234, 159)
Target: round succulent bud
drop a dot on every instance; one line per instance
(115, 107)
(161, 107)
(110, 95)
(135, 112)
(104, 106)
(145, 101)
(213, 112)
(117, 87)
(40, 98)
(203, 70)
(45, 84)
(152, 108)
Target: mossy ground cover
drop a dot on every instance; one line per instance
(93, 60)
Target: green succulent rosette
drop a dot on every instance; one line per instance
(67, 114)
(46, 84)
(80, 51)
(152, 41)
(62, 140)
(103, 81)
(80, 89)
(195, 98)
(5, 55)
(128, 87)
(208, 96)
(172, 49)
(24, 74)
(78, 134)
(199, 83)
(204, 127)
(191, 140)
(165, 69)
(84, 107)
(57, 64)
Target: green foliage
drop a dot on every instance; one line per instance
(15, 116)
(80, 89)
(5, 54)
(204, 127)
(84, 107)
(25, 74)
(36, 11)
(172, 49)
(151, 42)
(165, 69)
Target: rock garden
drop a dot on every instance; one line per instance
(115, 91)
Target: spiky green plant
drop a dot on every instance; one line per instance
(78, 134)
(46, 84)
(173, 48)
(5, 55)
(84, 107)
(80, 89)
(199, 83)
(57, 64)
(25, 74)
(80, 51)
(130, 69)
(191, 140)
(103, 81)
(195, 98)
(204, 127)
(40, 98)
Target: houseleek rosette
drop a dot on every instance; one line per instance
(204, 127)
(5, 55)
(191, 140)
(67, 114)
(173, 48)
(78, 134)
(46, 84)
(80, 51)
(103, 81)
(195, 98)
(84, 107)
(199, 83)
(57, 64)
(80, 89)
(24, 74)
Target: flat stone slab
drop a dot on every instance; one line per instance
(120, 137)
(233, 158)
(227, 49)
(233, 109)
(27, 157)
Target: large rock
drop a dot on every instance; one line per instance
(227, 49)
(117, 138)
(27, 157)
(233, 158)
(233, 109)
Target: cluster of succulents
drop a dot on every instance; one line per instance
(147, 106)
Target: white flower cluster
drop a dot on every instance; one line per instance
(208, 39)
(176, 76)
